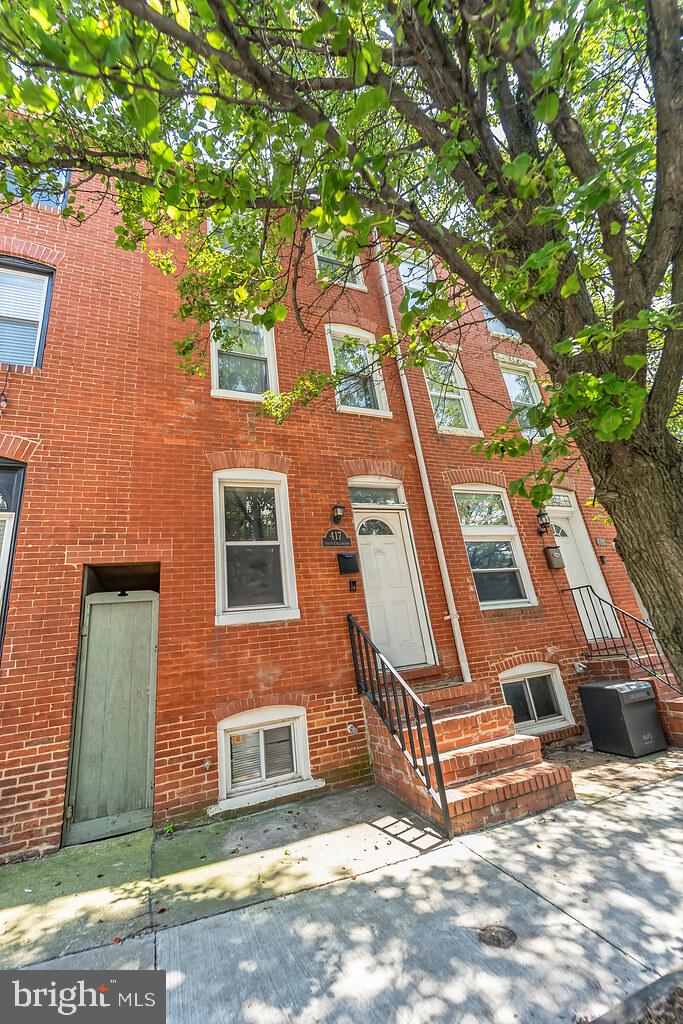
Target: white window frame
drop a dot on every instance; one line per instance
(472, 428)
(541, 668)
(524, 368)
(255, 720)
(494, 533)
(496, 327)
(45, 276)
(63, 176)
(357, 268)
(428, 266)
(262, 613)
(271, 360)
(333, 331)
(5, 549)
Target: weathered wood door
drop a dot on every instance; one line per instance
(111, 779)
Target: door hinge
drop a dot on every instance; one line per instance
(69, 812)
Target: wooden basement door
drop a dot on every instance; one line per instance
(112, 760)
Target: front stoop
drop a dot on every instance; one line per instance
(491, 773)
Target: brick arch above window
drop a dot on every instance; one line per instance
(27, 250)
(20, 449)
(248, 459)
(475, 476)
(235, 707)
(373, 467)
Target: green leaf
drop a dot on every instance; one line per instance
(370, 100)
(614, 227)
(570, 287)
(635, 362)
(39, 98)
(546, 110)
(519, 167)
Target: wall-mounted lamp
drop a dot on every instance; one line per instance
(338, 511)
(543, 521)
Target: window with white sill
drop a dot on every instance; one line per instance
(524, 394)
(361, 386)
(255, 579)
(263, 753)
(416, 275)
(24, 305)
(242, 360)
(499, 571)
(537, 697)
(332, 265)
(450, 397)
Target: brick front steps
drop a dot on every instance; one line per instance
(490, 772)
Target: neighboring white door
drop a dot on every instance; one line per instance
(582, 569)
(393, 595)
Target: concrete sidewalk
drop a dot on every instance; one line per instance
(592, 891)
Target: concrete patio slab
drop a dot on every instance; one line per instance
(597, 776)
(232, 864)
(82, 896)
(397, 945)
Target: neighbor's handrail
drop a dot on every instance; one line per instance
(406, 717)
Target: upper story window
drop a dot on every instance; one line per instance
(450, 397)
(248, 368)
(495, 554)
(416, 275)
(50, 192)
(361, 388)
(254, 557)
(24, 305)
(524, 395)
(330, 266)
(497, 326)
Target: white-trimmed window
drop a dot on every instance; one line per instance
(537, 697)
(24, 297)
(524, 393)
(497, 327)
(361, 388)
(450, 397)
(50, 191)
(416, 274)
(495, 554)
(263, 754)
(330, 266)
(247, 368)
(255, 579)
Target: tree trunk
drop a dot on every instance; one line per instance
(640, 484)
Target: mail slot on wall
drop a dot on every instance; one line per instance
(553, 557)
(348, 562)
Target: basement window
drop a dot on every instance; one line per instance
(537, 697)
(262, 755)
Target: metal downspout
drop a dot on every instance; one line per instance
(424, 478)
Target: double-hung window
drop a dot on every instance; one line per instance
(524, 394)
(254, 560)
(24, 305)
(242, 360)
(361, 384)
(450, 397)
(499, 570)
(497, 327)
(331, 266)
(50, 191)
(416, 275)
(11, 487)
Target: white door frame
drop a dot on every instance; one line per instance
(596, 577)
(401, 507)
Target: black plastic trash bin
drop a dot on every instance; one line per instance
(622, 718)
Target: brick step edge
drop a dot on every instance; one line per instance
(463, 729)
(493, 757)
(476, 796)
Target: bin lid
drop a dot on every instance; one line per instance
(623, 687)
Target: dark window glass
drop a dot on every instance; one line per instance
(250, 513)
(498, 586)
(242, 373)
(254, 575)
(515, 696)
(543, 694)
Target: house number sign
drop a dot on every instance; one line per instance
(336, 538)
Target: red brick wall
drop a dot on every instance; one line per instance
(120, 447)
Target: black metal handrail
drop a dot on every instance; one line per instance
(618, 632)
(406, 717)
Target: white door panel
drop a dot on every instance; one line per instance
(582, 569)
(395, 607)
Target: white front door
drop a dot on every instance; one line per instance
(582, 569)
(396, 611)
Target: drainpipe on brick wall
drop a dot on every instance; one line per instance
(424, 478)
